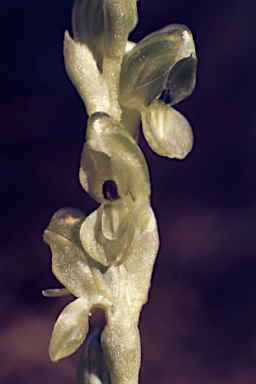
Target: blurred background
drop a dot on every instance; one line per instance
(199, 326)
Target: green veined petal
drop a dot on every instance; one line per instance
(88, 24)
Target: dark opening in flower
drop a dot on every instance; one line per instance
(110, 190)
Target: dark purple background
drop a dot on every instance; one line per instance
(199, 326)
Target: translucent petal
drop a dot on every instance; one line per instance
(84, 74)
(69, 260)
(110, 153)
(146, 68)
(166, 130)
(182, 78)
(70, 329)
(88, 23)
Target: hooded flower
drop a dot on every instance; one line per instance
(158, 73)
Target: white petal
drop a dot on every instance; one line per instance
(166, 130)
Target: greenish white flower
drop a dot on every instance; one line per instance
(158, 72)
(120, 288)
(110, 153)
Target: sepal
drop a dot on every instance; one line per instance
(69, 260)
(182, 79)
(147, 67)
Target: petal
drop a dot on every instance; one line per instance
(69, 260)
(146, 68)
(167, 132)
(109, 233)
(84, 74)
(70, 329)
(110, 153)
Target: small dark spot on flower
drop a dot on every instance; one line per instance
(110, 190)
(168, 94)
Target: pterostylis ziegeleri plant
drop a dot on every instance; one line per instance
(106, 259)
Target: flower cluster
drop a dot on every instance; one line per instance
(106, 259)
